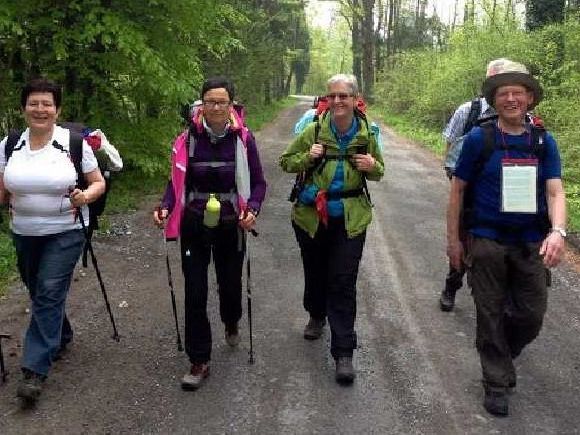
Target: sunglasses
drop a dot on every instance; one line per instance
(340, 95)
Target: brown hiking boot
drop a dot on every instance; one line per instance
(314, 328)
(232, 335)
(194, 378)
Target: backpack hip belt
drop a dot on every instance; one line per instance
(231, 196)
(352, 193)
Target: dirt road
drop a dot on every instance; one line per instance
(418, 370)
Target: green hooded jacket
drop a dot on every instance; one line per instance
(357, 210)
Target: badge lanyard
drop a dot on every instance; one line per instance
(519, 182)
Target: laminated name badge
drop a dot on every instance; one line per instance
(519, 185)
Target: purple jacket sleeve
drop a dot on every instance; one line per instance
(257, 181)
(168, 200)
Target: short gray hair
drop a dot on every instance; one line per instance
(349, 79)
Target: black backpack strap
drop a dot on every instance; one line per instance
(76, 156)
(538, 141)
(472, 117)
(489, 146)
(302, 176)
(11, 142)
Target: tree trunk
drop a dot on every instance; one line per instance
(540, 13)
(379, 32)
(368, 72)
(357, 44)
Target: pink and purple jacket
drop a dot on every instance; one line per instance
(245, 177)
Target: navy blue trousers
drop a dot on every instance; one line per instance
(46, 265)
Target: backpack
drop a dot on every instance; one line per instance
(322, 110)
(538, 132)
(473, 119)
(109, 160)
(473, 116)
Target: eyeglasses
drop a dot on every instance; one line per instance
(210, 104)
(341, 96)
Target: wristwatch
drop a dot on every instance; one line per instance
(560, 230)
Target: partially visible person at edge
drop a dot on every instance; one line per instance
(332, 213)
(219, 163)
(508, 247)
(36, 180)
(454, 134)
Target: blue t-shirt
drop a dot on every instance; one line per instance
(489, 221)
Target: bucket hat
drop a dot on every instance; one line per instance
(504, 72)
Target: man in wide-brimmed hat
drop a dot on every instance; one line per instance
(517, 216)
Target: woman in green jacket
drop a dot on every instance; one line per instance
(336, 155)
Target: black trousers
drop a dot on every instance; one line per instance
(331, 260)
(509, 289)
(197, 245)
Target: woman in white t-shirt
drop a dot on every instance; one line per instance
(37, 178)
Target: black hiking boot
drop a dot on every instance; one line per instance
(447, 300)
(30, 387)
(344, 370)
(193, 379)
(496, 402)
(314, 328)
(232, 334)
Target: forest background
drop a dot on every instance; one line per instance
(129, 66)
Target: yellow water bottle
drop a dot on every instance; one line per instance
(211, 215)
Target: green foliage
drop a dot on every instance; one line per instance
(273, 48)
(408, 128)
(423, 88)
(7, 255)
(330, 54)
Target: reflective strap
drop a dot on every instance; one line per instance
(212, 164)
(192, 143)
(224, 196)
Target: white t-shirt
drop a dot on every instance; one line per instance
(39, 181)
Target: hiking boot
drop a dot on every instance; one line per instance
(194, 378)
(314, 328)
(232, 335)
(344, 370)
(496, 402)
(447, 300)
(30, 387)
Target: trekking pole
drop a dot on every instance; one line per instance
(3, 372)
(173, 305)
(98, 272)
(249, 294)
